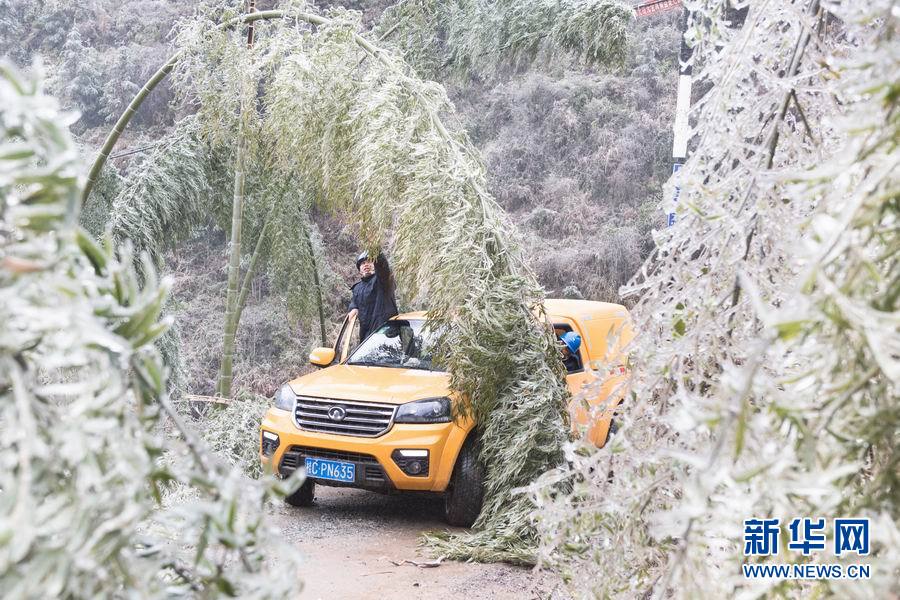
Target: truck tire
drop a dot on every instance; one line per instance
(304, 495)
(465, 494)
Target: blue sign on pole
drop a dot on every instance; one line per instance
(670, 217)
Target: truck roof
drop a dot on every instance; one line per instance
(605, 328)
(559, 307)
(584, 310)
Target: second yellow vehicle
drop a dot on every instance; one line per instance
(380, 416)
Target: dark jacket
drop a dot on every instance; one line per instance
(572, 363)
(373, 297)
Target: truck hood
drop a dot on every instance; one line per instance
(372, 384)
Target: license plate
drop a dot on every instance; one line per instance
(335, 470)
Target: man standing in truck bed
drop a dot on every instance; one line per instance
(373, 299)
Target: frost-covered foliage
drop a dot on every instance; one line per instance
(96, 212)
(98, 52)
(226, 430)
(185, 184)
(765, 371)
(579, 160)
(270, 348)
(169, 195)
(297, 266)
(83, 401)
(186, 180)
(475, 38)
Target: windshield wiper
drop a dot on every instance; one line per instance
(417, 367)
(366, 363)
(371, 363)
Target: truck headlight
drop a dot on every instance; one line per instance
(285, 397)
(429, 410)
(269, 443)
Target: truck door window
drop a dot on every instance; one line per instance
(574, 363)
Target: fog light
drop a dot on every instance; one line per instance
(413, 462)
(270, 443)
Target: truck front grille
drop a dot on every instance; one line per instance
(366, 419)
(299, 452)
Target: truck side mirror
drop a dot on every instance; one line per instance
(322, 357)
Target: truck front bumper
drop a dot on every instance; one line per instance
(379, 464)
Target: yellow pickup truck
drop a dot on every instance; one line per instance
(379, 416)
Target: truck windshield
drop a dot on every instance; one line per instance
(398, 344)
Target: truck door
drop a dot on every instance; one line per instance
(344, 345)
(586, 409)
(576, 379)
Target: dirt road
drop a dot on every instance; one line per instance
(351, 541)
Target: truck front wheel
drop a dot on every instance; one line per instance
(464, 496)
(304, 494)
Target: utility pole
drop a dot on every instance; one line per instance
(682, 110)
(683, 99)
(682, 129)
(251, 8)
